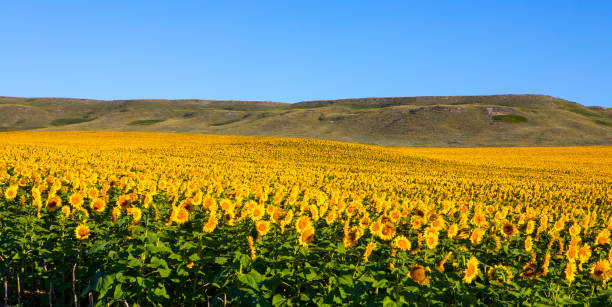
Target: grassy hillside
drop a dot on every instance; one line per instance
(499, 120)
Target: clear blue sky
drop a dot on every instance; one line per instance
(292, 51)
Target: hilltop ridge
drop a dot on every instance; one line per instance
(495, 120)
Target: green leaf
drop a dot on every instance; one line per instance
(160, 291)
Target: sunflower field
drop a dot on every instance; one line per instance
(158, 219)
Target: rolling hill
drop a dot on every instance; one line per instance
(497, 120)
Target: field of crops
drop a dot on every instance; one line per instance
(183, 220)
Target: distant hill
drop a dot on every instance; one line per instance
(498, 120)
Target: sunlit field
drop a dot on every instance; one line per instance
(186, 219)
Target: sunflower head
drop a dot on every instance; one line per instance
(76, 200)
(98, 205)
(401, 243)
(418, 274)
(508, 229)
(352, 236)
(82, 232)
(387, 232)
(66, 211)
(601, 271)
(431, 240)
(182, 215)
(54, 203)
(262, 227)
(471, 270)
(306, 236)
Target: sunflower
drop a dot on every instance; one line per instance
(471, 271)
(226, 205)
(508, 229)
(306, 236)
(452, 231)
(258, 212)
(211, 223)
(251, 247)
(228, 217)
(53, 203)
(331, 217)
(364, 222)
(477, 235)
(559, 225)
(416, 222)
(402, 243)
(82, 232)
(570, 271)
(263, 227)
(438, 224)
(530, 227)
(288, 218)
(431, 240)
(92, 193)
(187, 204)
(479, 220)
(182, 215)
(529, 271)
(497, 272)
(418, 274)
(546, 264)
(277, 215)
(11, 192)
(440, 266)
(98, 205)
(116, 213)
(601, 271)
(395, 215)
(66, 211)
(303, 223)
(572, 253)
(574, 230)
(209, 203)
(376, 228)
(197, 199)
(387, 232)
(124, 201)
(368, 251)
(603, 237)
(584, 254)
(528, 243)
(136, 214)
(352, 236)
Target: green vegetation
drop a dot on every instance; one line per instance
(70, 121)
(603, 123)
(227, 122)
(145, 122)
(580, 110)
(510, 119)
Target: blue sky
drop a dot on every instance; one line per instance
(293, 51)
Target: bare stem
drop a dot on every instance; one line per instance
(5, 292)
(76, 302)
(18, 291)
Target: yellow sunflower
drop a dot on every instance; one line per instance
(418, 274)
(82, 232)
(306, 236)
(263, 227)
(53, 203)
(98, 205)
(601, 271)
(471, 271)
(402, 243)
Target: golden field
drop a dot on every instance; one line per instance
(186, 219)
